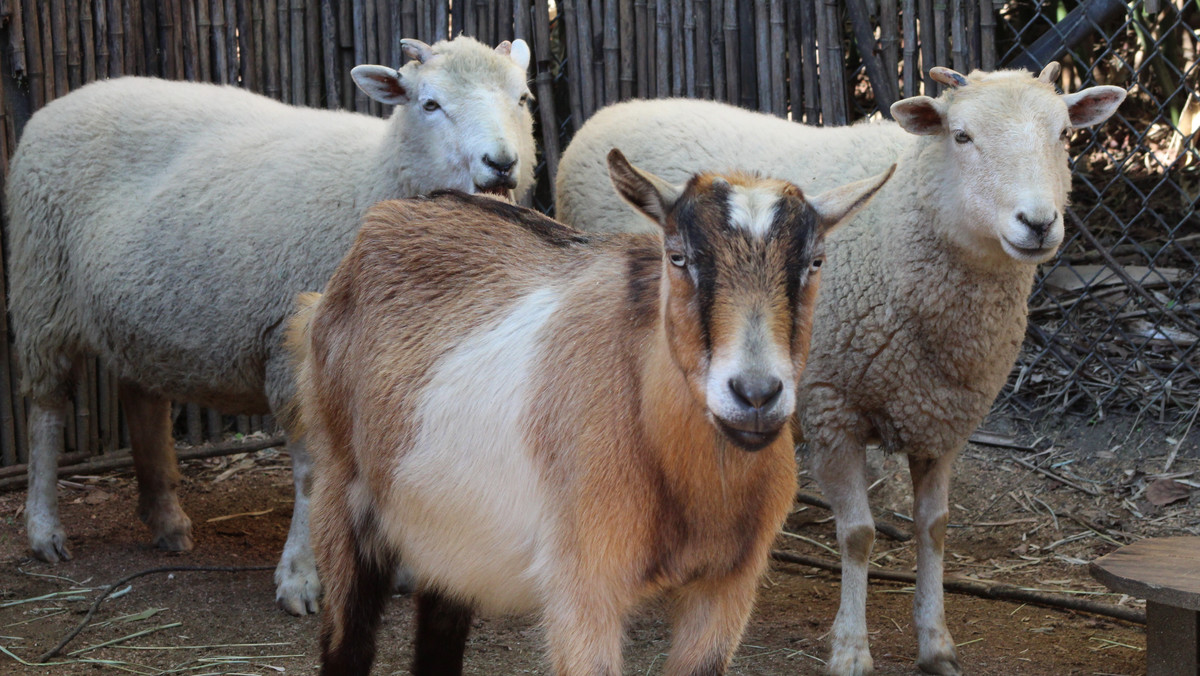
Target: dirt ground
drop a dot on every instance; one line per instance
(1009, 524)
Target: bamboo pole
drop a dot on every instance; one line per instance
(642, 48)
(941, 30)
(958, 37)
(93, 399)
(329, 56)
(220, 53)
(889, 43)
(652, 53)
(795, 62)
(566, 16)
(161, 41)
(833, 79)
(232, 58)
(662, 48)
(175, 39)
(612, 52)
(424, 27)
(689, 48)
(113, 37)
(16, 38)
(987, 35)
(441, 20)
(74, 48)
(8, 440)
(312, 52)
(283, 49)
(911, 73)
(777, 80)
(259, 47)
(370, 39)
(762, 56)
(87, 47)
(204, 42)
(703, 49)
(135, 29)
(747, 57)
(544, 81)
(730, 28)
(346, 53)
(191, 41)
(627, 49)
(47, 52)
(296, 59)
(716, 16)
(596, 10)
(676, 52)
(928, 49)
(583, 36)
(57, 23)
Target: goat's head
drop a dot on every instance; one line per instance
(464, 107)
(741, 264)
(1002, 139)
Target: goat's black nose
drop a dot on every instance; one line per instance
(501, 165)
(1039, 228)
(757, 392)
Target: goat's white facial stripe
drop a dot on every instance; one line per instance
(752, 209)
(468, 482)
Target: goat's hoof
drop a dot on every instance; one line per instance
(298, 590)
(50, 546)
(851, 662)
(945, 664)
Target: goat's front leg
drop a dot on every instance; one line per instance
(931, 488)
(840, 466)
(585, 626)
(709, 618)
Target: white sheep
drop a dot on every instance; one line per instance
(167, 227)
(536, 420)
(923, 308)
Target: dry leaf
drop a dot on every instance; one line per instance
(96, 497)
(1162, 492)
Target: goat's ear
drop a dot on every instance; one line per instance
(1093, 105)
(517, 50)
(919, 115)
(837, 205)
(381, 83)
(647, 193)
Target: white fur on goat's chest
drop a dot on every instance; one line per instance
(469, 507)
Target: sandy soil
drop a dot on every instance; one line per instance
(1041, 544)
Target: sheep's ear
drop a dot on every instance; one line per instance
(646, 192)
(520, 53)
(381, 83)
(837, 205)
(1093, 105)
(919, 115)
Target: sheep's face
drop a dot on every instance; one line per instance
(742, 259)
(464, 108)
(1002, 140)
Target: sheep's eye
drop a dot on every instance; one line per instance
(524, 100)
(430, 105)
(961, 137)
(678, 260)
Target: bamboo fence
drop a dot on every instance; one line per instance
(816, 61)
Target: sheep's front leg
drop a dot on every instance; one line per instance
(931, 488)
(154, 462)
(46, 535)
(840, 466)
(709, 619)
(297, 587)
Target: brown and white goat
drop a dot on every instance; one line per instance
(534, 419)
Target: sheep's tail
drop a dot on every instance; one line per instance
(296, 340)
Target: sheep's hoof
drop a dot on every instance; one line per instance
(851, 661)
(297, 590)
(941, 665)
(49, 545)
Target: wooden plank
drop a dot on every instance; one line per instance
(1164, 570)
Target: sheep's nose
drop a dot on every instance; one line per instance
(501, 165)
(1037, 225)
(756, 392)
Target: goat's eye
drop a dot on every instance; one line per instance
(1066, 133)
(678, 260)
(430, 105)
(816, 263)
(524, 100)
(962, 137)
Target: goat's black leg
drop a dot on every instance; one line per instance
(353, 607)
(442, 628)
